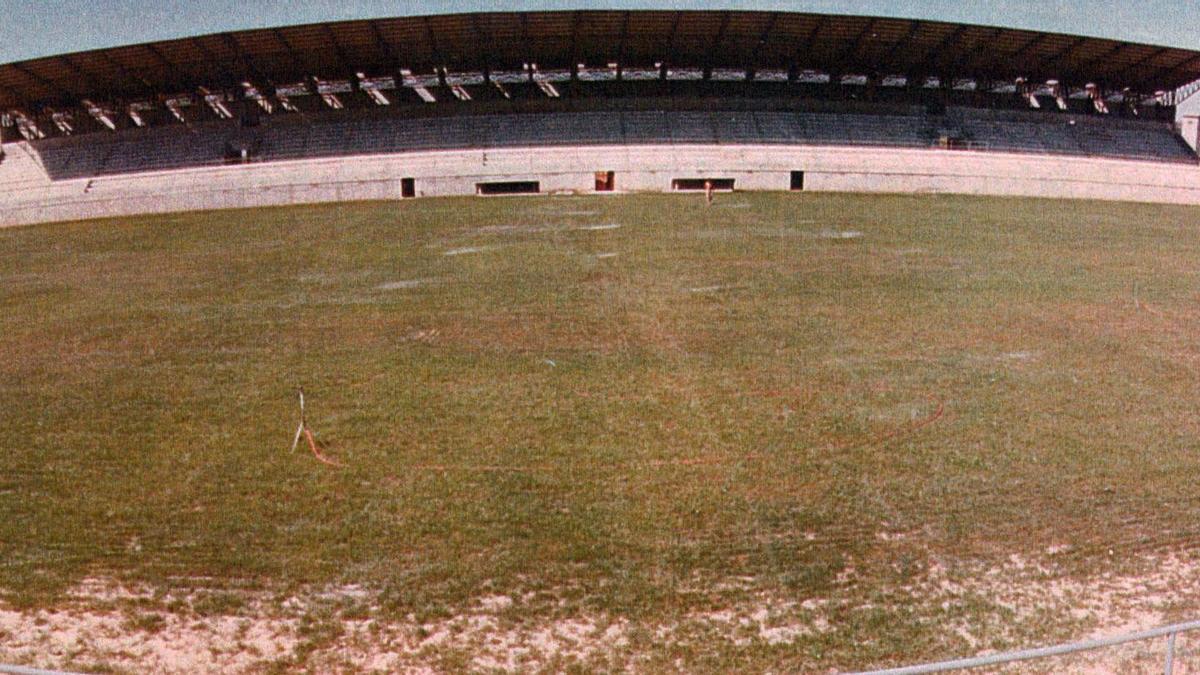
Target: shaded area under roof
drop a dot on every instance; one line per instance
(557, 39)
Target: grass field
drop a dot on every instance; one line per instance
(836, 416)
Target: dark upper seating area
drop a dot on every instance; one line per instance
(368, 131)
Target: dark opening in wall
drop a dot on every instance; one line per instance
(797, 180)
(606, 181)
(718, 184)
(952, 142)
(241, 153)
(408, 188)
(509, 187)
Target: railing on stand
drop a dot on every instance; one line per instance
(1045, 652)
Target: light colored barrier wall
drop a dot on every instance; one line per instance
(28, 196)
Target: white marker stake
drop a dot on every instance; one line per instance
(300, 429)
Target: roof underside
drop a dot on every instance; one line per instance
(499, 41)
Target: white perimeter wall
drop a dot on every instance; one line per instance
(27, 195)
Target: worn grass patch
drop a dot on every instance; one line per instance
(697, 409)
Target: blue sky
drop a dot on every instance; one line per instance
(34, 28)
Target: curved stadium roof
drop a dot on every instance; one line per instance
(558, 39)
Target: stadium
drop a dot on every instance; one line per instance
(452, 105)
(652, 340)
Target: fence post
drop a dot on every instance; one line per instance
(1170, 665)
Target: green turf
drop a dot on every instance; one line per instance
(738, 393)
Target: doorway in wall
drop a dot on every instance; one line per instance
(606, 181)
(509, 187)
(797, 181)
(697, 184)
(408, 188)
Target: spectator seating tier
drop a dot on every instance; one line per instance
(290, 136)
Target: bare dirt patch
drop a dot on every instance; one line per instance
(103, 624)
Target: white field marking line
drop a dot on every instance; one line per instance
(467, 250)
(539, 229)
(605, 256)
(495, 229)
(715, 289)
(1018, 356)
(403, 284)
(830, 234)
(500, 230)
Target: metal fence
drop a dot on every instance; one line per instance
(1168, 632)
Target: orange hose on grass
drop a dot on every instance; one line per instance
(317, 453)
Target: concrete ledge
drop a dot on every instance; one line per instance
(28, 196)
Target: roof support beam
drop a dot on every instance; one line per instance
(621, 43)
(483, 41)
(903, 42)
(146, 86)
(339, 55)
(1030, 46)
(66, 61)
(971, 64)
(73, 67)
(252, 71)
(1049, 64)
(726, 19)
(1171, 70)
(851, 49)
(717, 40)
(1114, 80)
(765, 35)
(11, 94)
(1018, 56)
(936, 52)
(385, 46)
(805, 48)
(212, 58)
(576, 21)
(287, 47)
(53, 87)
(434, 48)
(1066, 51)
(525, 42)
(669, 47)
(187, 79)
(1108, 54)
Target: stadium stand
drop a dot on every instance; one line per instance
(349, 133)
